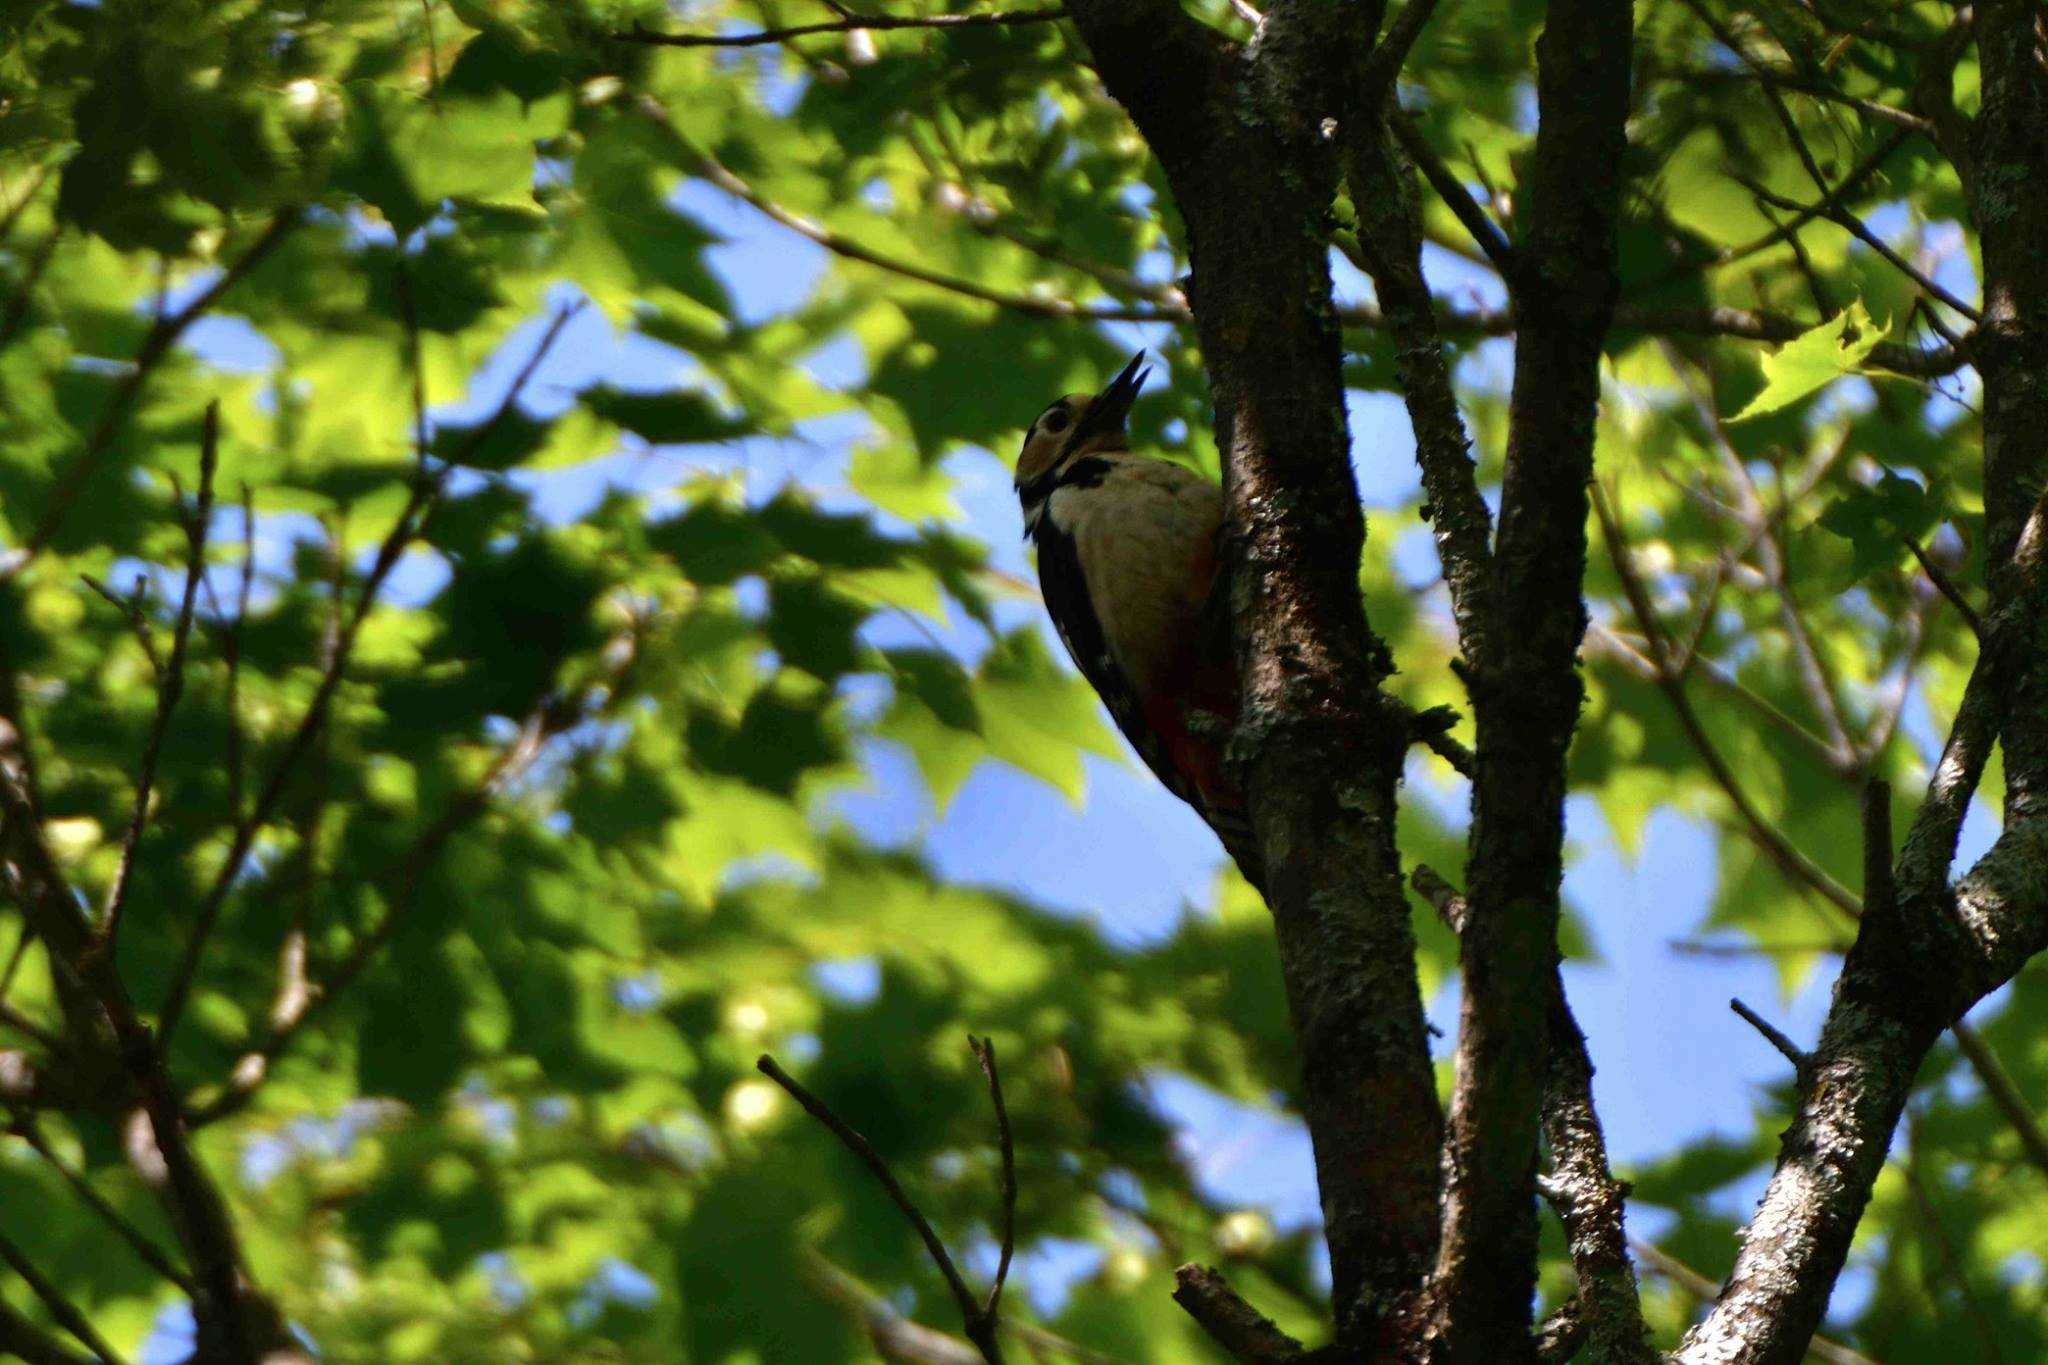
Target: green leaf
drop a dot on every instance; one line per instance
(1882, 521)
(680, 417)
(1814, 359)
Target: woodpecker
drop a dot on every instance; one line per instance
(1127, 553)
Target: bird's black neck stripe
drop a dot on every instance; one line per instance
(1087, 472)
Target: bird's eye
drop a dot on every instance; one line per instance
(1056, 420)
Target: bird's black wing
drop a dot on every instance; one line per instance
(1065, 588)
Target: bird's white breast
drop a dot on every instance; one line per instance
(1145, 536)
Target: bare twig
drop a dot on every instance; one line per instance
(1802, 1061)
(1872, 110)
(838, 244)
(1696, 947)
(426, 486)
(984, 1050)
(1858, 229)
(1939, 577)
(1831, 201)
(895, 1337)
(978, 1321)
(22, 1338)
(170, 680)
(1245, 1334)
(28, 1028)
(2004, 1092)
(299, 1001)
(231, 658)
(1383, 64)
(155, 346)
(1452, 191)
(28, 195)
(62, 1309)
(863, 22)
(17, 311)
(153, 1255)
(1767, 836)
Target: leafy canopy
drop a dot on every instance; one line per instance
(567, 846)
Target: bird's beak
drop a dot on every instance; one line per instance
(1110, 407)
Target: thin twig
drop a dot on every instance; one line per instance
(1383, 63)
(412, 517)
(297, 1005)
(1873, 110)
(1858, 229)
(231, 658)
(29, 1028)
(984, 1050)
(1696, 947)
(62, 1309)
(1766, 835)
(170, 681)
(711, 169)
(865, 22)
(1245, 1334)
(155, 346)
(1830, 202)
(1948, 588)
(20, 206)
(1802, 1061)
(153, 1255)
(1456, 197)
(17, 312)
(31, 1343)
(2004, 1093)
(979, 1327)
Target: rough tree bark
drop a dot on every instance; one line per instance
(1524, 680)
(1253, 178)
(1930, 949)
(1248, 139)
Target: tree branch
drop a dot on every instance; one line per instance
(151, 1254)
(156, 344)
(1690, 1281)
(1244, 1333)
(1590, 1202)
(426, 487)
(170, 680)
(1485, 232)
(1390, 243)
(985, 1053)
(1802, 1061)
(861, 23)
(980, 1320)
(60, 1308)
(1248, 129)
(31, 1343)
(1526, 690)
(1947, 587)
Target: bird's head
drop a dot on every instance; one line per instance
(1078, 423)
